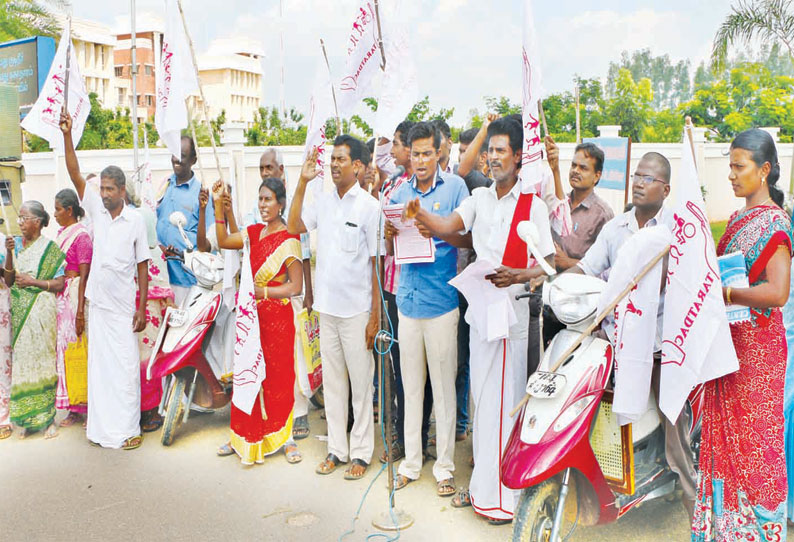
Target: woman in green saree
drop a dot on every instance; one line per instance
(34, 271)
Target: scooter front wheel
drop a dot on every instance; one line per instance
(175, 409)
(534, 515)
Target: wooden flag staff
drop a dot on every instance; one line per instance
(333, 91)
(203, 99)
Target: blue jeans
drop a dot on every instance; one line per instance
(462, 379)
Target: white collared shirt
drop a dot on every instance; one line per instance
(346, 240)
(489, 218)
(601, 256)
(120, 244)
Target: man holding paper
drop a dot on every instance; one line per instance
(428, 308)
(498, 366)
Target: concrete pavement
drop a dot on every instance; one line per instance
(65, 489)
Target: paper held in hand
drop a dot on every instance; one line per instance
(733, 273)
(410, 246)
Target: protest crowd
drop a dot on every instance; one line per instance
(400, 225)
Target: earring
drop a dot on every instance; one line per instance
(763, 180)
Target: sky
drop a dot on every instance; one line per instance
(464, 49)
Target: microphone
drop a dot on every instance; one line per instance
(397, 173)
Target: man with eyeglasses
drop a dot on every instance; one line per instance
(650, 187)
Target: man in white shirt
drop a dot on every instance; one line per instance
(346, 298)
(498, 368)
(650, 187)
(121, 249)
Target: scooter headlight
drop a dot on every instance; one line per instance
(573, 308)
(572, 412)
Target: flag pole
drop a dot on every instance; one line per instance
(578, 125)
(201, 94)
(68, 59)
(134, 77)
(689, 128)
(333, 91)
(380, 38)
(543, 117)
(282, 82)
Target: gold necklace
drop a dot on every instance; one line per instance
(767, 200)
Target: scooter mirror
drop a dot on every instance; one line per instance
(528, 232)
(178, 219)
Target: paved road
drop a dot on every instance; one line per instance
(67, 490)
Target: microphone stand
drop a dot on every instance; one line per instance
(392, 519)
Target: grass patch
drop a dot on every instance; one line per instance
(717, 230)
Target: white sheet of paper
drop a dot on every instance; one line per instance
(410, 246)
(490, 310)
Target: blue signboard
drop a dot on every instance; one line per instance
(616, 161)
(25, 63)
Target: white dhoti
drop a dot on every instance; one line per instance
(498, 379)
(114, 387)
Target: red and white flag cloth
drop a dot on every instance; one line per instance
(635, 320)
(363, 60)
(44, 117)
(175, 79)
(249, 360)
(148, 198)
(696, 338)
(400, 86)
(531, 159)
(321, 108)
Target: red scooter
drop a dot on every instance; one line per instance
(574, 463)
(192, 351)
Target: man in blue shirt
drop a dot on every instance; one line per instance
(428, 313)
(181, 195)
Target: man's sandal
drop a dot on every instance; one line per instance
(494, 521)
(132, 443)
(300, 430)
(292, 453)
(329, 464)
(356, 463)
(401, 481)
(446, 488)
(5, 432)
(462, 499)
(397, 453)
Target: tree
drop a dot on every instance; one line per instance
(670, 82)
(270, 128)
(25, 18)
(767, 20)
(631, 106)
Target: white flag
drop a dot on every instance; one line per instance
(635, 320)
(363, 60)
(148, 198)
(321, 108)
(531, 160)
(175, 79)
(400, 88)
(249, 360)
(697, 344)
(44, 117)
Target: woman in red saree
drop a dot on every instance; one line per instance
(742, 482)
(275, 257)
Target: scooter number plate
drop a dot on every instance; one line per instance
(177, 318)
(543, 385)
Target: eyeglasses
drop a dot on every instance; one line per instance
(644, 180)
(22, 219)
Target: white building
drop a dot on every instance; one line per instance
(231, 76)
(94, 44)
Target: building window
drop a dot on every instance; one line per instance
(119, 71)
(5, 191)
(122, 97)
(149, 100)
(148, 70)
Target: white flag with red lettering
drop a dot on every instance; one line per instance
(148, 198)
(531, 159)
(44, 117)
(321, 108)
(696, 338)
(249, 360)
(363, 59)
(400, 88)
(175, 79)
